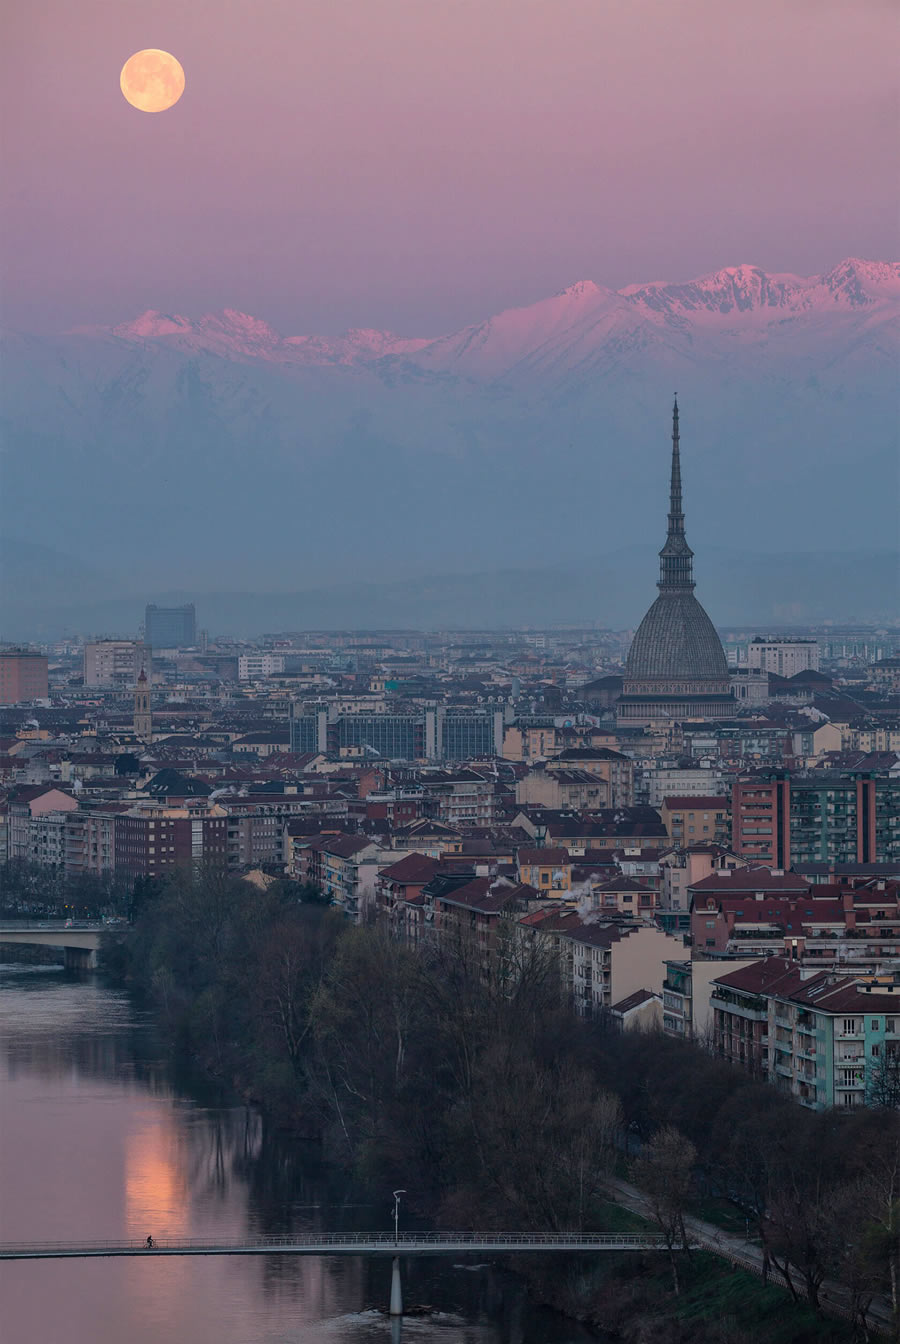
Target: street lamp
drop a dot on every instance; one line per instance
(397, 1194)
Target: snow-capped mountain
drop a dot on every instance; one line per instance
(585, 327)
(218, 451)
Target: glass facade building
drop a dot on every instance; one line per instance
(170, 627)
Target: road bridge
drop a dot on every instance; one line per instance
(79, 940)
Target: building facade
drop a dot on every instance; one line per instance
(115, 662)
(825, 1039)
(820, 816)
(23, 676)
(170, 627)
(785, 657)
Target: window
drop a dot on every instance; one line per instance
(710, 923)
(890, 1024)
(875, 1026)
(849, 1027)
(876, 1051)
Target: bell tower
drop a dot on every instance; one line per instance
(143, 718)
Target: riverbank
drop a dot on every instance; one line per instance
(629, 1299)
(490, 1104)
(105, 1139)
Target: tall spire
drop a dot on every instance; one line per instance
(676, 556)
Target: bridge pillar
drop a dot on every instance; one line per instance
(396, 1288)
(80, 959)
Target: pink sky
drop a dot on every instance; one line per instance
(418, 164)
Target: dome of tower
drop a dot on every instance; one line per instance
(676, 641)
(676, 667)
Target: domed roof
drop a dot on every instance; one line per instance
(676, 640)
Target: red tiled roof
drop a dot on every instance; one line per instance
(414, 868)
(740, 880)
(784, 978)
(547, 857)
(549, 919)
(634, 1000)
(766, 976)
(804, 911)
(624, 884)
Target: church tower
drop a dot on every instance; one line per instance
(143, 718)
(676, 667)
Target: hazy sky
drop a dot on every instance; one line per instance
(418, 164)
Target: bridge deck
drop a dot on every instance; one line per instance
(424, 1243)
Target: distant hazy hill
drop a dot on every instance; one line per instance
(216, 454)
(613, 590)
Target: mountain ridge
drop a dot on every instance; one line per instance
(731, 294)
(218, 458)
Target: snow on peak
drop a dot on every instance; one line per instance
(746, 289)
(584, 328)
(582, 289)
(152, 324)
(858, 283)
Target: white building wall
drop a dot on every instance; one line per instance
(636, 962)
(668, 781)
(702, 975)
(785, 657)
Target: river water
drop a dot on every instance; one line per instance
(99, 1138)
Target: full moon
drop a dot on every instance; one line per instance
(152, 80)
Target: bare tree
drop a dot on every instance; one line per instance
(884, 1080)
(664, 1172)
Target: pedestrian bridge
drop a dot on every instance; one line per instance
(79, 940)
(344, 1243)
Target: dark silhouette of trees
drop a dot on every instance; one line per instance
(664, 1173)
(468, 1075)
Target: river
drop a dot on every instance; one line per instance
(99, 1137)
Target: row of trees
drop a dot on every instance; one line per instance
(36, 890)
(489, 1101)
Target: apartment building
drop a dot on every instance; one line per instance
(784, 657)
(687, 993)
(817, 816)
(345, 867)
(823, 1038)
(614, 768)
(27, 805)
(562, 790)
(548, 870)
(152, 840)
(115, 662)
(608, 962)
(681, 868)
(23, 676)
(697, 820)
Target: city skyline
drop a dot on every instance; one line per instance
(380, 852)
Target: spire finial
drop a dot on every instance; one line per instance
(676, 556)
